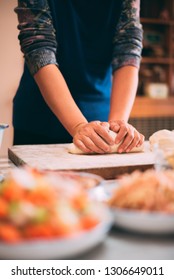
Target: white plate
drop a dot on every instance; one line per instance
(134, 220)
(144, 222)
(59, 248)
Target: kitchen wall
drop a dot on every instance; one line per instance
(11, 65)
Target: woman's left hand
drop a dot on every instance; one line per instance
(126, 133)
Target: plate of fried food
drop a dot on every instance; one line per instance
(45, 215)
(141, 201)
(144, 202)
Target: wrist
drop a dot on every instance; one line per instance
(119, 114)
(77, 127)
(114, 119)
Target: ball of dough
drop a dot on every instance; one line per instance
(73, 149)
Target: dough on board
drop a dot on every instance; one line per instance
(163, 138)
(73, 149)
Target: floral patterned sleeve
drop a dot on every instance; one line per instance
(37, 34)
(128, 36)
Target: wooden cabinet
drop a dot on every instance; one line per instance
(157, 65)
(155, 95)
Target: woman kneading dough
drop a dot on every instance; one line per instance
(73, 149)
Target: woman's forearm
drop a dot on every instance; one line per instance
(58, 97)
(124, 89)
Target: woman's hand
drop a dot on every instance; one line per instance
(93, 137)
(126, 133)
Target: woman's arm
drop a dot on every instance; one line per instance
(125, 63)
(124, 87)
(38, 43)
(56, 94)
(37, 35)
(127, 41)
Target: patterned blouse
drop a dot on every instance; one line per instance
(38, 35)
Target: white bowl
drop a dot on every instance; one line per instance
(59, 248)
(2, 127)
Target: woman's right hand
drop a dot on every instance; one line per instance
(93, 137)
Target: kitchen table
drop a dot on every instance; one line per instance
(121, 244)
(57, 157)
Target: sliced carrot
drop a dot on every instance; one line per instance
(79, 202)
(42, 196)
(38, 231)
(63, 230)
(9, 233)
(89, 221)
(12, 191)
(3, 208)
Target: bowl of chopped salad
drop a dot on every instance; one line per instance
(44, 215)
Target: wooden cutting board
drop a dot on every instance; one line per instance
(56, 157)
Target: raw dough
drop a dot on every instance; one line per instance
(73, 149)
(163, 138)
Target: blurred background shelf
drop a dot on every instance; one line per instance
(158, 60)
(157, 21)
(154, 105)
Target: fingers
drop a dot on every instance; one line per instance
(105, 125)
(114, 126)
(132, 139)
(127, 135)
(93, 146)
(94, 137)
(82, 147)
(103, 131)
(123, 131)
(142, 138)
